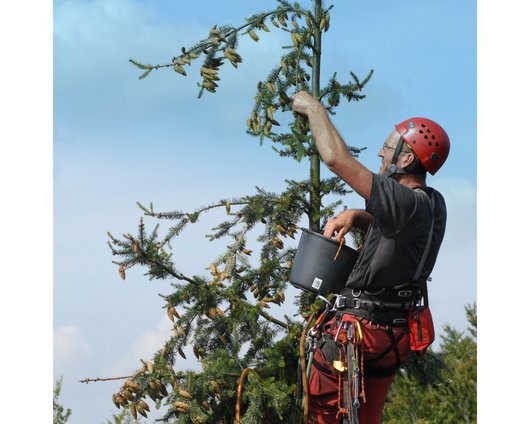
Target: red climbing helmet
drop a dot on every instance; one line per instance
(428, 141)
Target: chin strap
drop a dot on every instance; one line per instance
(393, 169)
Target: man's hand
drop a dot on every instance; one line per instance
(304, 103)
(338, 226)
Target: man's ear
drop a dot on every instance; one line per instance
(408, 159)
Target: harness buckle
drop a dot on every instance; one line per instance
(340, 302)
(404, 293)
(356, 303)
(400, 321)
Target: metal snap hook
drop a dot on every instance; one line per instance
(328, 303)
(356, 293)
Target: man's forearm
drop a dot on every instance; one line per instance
(329, 142)
(331, 146)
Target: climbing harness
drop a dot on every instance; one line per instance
(337, 336)
(334, 344)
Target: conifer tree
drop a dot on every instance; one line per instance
(249, 356)
(452, 396)
(60, 415)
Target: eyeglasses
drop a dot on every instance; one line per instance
(405, 148)
(386, 147)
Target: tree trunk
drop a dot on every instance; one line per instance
(315, 196)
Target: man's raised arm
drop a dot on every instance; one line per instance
(331, 146)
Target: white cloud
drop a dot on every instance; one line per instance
(147, 344)
(152, 339)
(69, 344)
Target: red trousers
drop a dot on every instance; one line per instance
(323, 381)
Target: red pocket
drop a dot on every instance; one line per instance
(323, 387)
(421, 329)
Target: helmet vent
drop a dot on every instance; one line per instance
(430, 143)
(437, 144)
(426, 137)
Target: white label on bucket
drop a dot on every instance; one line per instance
(317, 282)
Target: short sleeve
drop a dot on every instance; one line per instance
(392, 204)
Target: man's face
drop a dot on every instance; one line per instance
(387, 151)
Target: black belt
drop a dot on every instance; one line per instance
(386, 306)
(357, 303)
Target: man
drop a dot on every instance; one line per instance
(404, 222)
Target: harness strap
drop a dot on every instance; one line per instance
(387, 306)
(393, 346)
(429, 239)
(370, 305)
(395, 318)
(380, 356)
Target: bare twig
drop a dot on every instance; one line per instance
(88, 380)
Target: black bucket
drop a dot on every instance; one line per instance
(314, 267)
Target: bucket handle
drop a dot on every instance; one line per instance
(341, 243)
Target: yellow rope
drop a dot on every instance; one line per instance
(361, 354)
(303, 365)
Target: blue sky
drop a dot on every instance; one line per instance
(118, 140)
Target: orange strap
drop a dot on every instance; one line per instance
(240, 392)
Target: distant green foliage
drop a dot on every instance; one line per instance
(451, 400)
(124, 417)
(60, 416)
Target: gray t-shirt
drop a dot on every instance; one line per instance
(397, 237)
